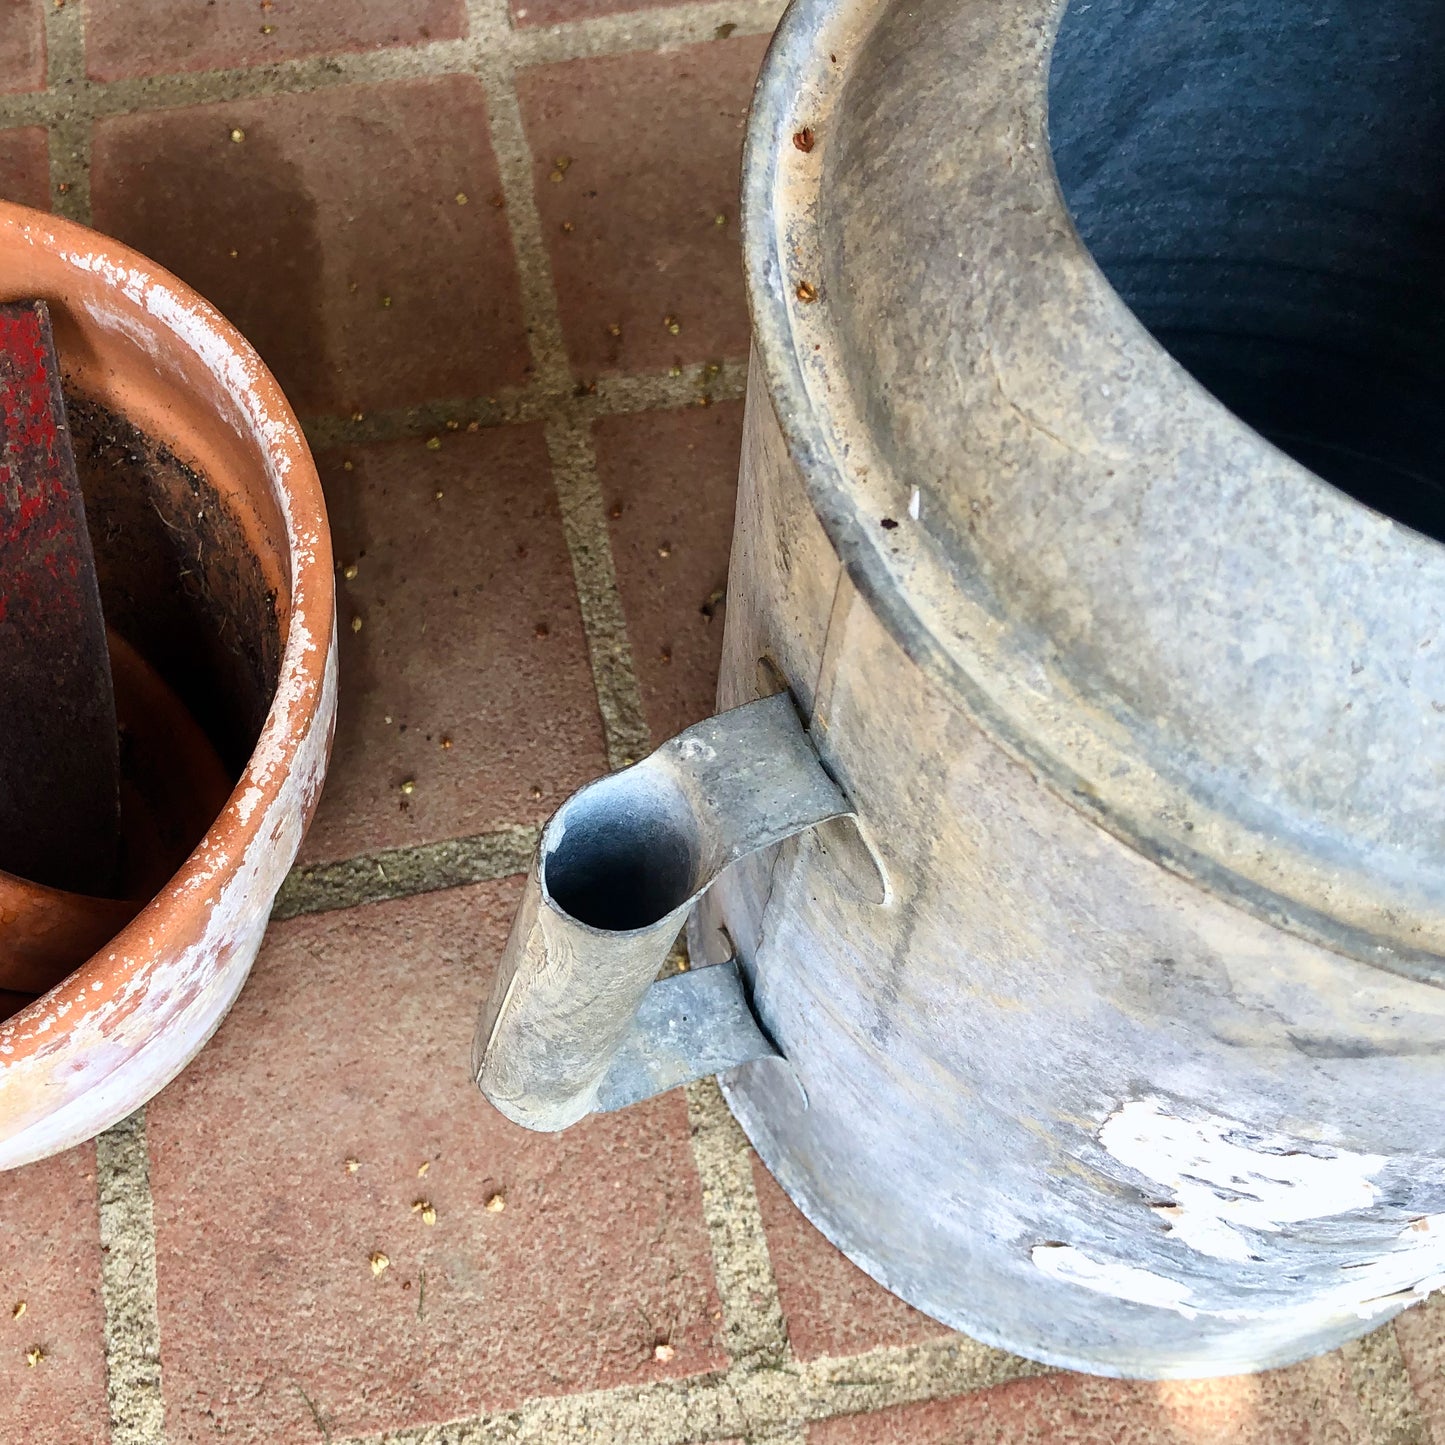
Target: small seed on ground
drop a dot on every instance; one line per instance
(408, 786)
(807, 291)
(803, 139)
(426, 1209)
(18, 1310)
(461, 198)
(422, 1168)
(496, 1203)
(238, 135)
(664, 1353)
(349, 571)
(433, 444)
(34, 1355)
(378, 1261)
(356, 623)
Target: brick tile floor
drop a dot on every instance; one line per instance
(830, 1305)
(387, 229)
(24, 166)
(469, 678)
(148, 37)
(52, 1356)
(22, 44)
(668, 481)
(1310, 1404)
(332, 234)
(639, 155)
(351, 1042)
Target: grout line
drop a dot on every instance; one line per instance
(700, 384)
(128, 1285)
(74, 94)
(584, 525)
(405, 872)
(664, 28)
(754, 1331)
(69, 124)
(762, 1404)
(1386, 1393)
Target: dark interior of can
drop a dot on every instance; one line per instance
(178, 578)
(1263, 183)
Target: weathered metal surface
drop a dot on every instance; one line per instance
(146, 348)
(617, 871)
(689, 1026)
(59, 748)
(1137, 1065)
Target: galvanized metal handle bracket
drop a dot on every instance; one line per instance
(578, 1020)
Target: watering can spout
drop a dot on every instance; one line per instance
(578, 1021)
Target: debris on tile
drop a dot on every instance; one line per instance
(665, 550)
(433, 444)
(665, 655)
(386, 301)
(454, 426)
(408, 786)
(268, 30)
(34, 1355)
(664, 1353)
(63, 187)
(356, 623)
(714, 601)
(358, 416)
(496, 1203)
(672, 324)
(349, 571)
(807, 291)
(378, 1261)
(425, 1164)
(348, 466)
(461, 198)
(614, 329)
(352, 1165)
(18, 1310)
(535, 793)
(426, 1209)
(719, 219)
(238, 135)
(804, 139)
(436, 496)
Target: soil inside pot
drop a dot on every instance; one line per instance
(1263, 184)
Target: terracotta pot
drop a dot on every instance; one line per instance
(215, 566)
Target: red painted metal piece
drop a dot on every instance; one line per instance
(59, 749)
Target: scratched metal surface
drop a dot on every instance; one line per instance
(1139, 1069)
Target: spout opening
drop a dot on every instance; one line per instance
(620, 856)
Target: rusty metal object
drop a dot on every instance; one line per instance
(59, 750)
(213, 452)
(1137, 1067)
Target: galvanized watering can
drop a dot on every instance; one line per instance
(1063, 871)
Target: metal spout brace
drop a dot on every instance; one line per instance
(578, 1020)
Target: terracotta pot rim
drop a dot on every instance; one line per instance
(297, 698)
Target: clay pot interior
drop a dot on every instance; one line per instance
(1261, 184)
(195, 645)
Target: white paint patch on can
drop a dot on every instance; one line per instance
(1224, 1177)
(1122, 1281)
